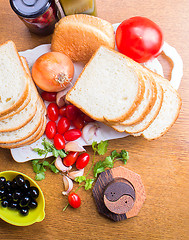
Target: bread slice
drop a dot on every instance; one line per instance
(107, 89)
(136, 129)
(168, 113)
(80, 35)
(33, 138)
(27, 130)
(13, 79)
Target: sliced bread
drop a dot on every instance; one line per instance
(26, 131)
(107, 89)
(142, 125)
(168, 113)
(13, 79)
(33, 138)
(80, 35)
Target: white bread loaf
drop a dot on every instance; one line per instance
(80, 35)
(107, 89)
(13, 79)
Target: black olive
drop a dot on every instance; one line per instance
(8, 185)
(24, 211)
(20, 180)
(2, 193)
(17, 195)
(24, 201)
(26, 186)
(4, 203)
(2, 181)
(34, 192)
(13, 205)
(32, 204)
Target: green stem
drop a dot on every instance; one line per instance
(91, 165)
(65, 207)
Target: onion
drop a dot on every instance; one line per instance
(53, 71)
(89, 132)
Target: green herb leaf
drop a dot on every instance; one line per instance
(55, 153)
(125, 156)
(47, 145)
(114, 154)
(62, 153)
(40, 151)
(53, 168)
(40, 176)
(80, 179)
(108, 162)
(88, 183)
(45, 163)
(98, 168)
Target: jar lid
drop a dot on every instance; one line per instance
(30, 8)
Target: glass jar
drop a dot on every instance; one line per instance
(78, 6)
(39, 16)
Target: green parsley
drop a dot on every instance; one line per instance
(40, 166)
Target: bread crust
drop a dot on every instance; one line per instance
(80, 35)
(24, 95)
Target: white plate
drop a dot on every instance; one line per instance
(104, 132)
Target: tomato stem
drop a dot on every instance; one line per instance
(91, 164)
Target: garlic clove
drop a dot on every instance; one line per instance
(60, 97)
(60, 166)
(89, 132)
(74, 147)
(68, 185)
(74, 174)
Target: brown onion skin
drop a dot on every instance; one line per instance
(48, 67)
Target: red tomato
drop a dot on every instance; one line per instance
(62, 111)
(59, 141)
(74, 200)
(72, 134)
(63, 125)
(49, 96)
(139, 38)
(82, 160)
(50, 130)
(79, 122)
(53, 71)
(71, 112)
(87, 118)
(52, 111)
(70, 159)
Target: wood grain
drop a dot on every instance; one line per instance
(163, 164)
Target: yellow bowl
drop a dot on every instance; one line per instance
(13, 216)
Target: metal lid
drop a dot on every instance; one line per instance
(30, 8)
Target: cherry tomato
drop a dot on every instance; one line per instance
(87, 118)
(50, 129)
(71, 112)
(72, 134)
(82, 160)
(79, 122)
(52, 111)
(49, 96)
(53, 71)
(139, 38)
(62, 111)
(70, 159)
(63, 125)
(59, 141)
(74, 200)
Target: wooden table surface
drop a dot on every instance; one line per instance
(163, 164)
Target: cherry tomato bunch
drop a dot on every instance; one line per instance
(65, 124)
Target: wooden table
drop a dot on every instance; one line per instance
(163, 164)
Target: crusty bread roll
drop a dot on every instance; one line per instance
(79, 36)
